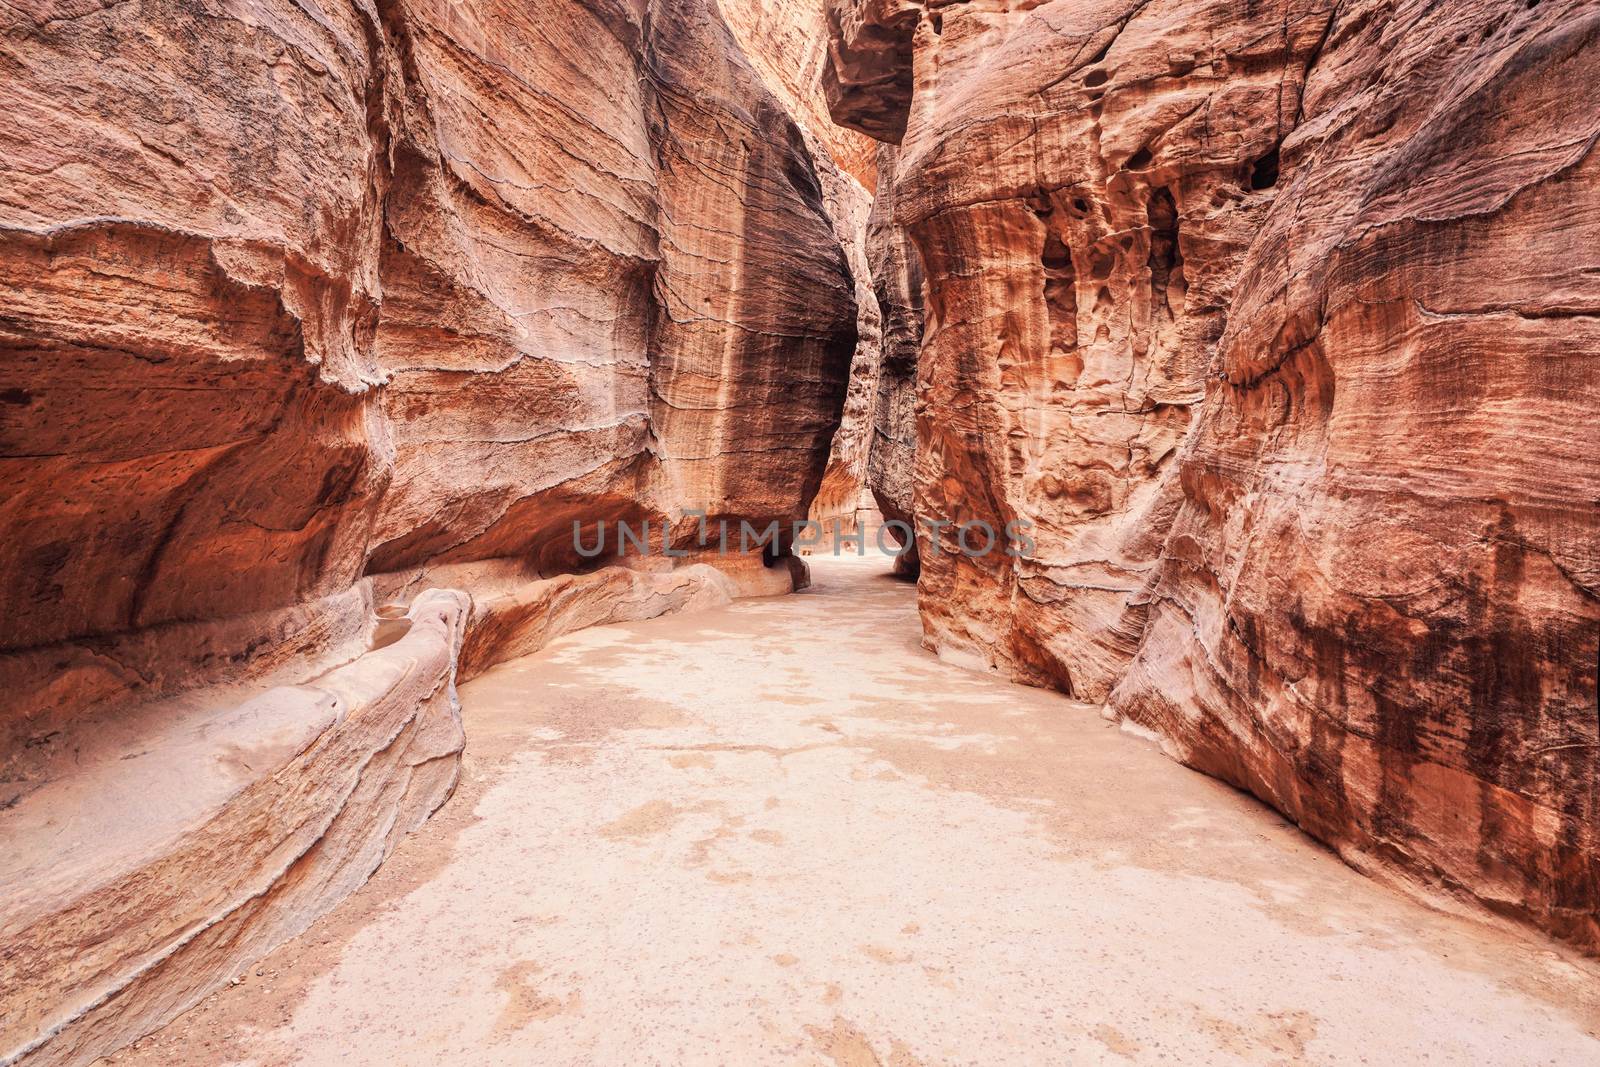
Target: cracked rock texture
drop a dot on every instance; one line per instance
(310, 308)
(1279, 323)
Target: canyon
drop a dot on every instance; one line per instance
(334, 331)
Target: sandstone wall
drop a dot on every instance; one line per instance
(1277, 322)
(310, 308)
(843, 479)
(897, 287)
(1379, 608)
(292, 300)
(786, 42)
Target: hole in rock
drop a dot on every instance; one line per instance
(389, 630)
(1096, 78)
(1055, 255)
(938, 24)
(1166, 261)
(1061, 304)
(1139, 160)
(1264, 172)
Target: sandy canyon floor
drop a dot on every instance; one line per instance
(783, 833)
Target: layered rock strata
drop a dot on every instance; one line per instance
(308, 312)
(144, 875)
(1276, 322)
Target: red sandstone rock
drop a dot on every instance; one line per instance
(1276, 321)
(786, 43)
(310, 309)
(277, 327)
(1379, 606)
(868, 74)
(897, 282)
(1080, 220)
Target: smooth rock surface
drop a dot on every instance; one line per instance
(144, 875)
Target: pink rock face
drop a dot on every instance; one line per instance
(785, 43)
(1277, 323)
(292, 300)
(308, 309)
(144, 876)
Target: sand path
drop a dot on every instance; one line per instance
(782, 833)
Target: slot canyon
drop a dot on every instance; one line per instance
(857, 532)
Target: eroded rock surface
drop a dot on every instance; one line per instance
(897, 286)
(786, 42)
(1381, 593)
(309, 309)
(1073, 189)
(138, 879)
(1277, 322)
